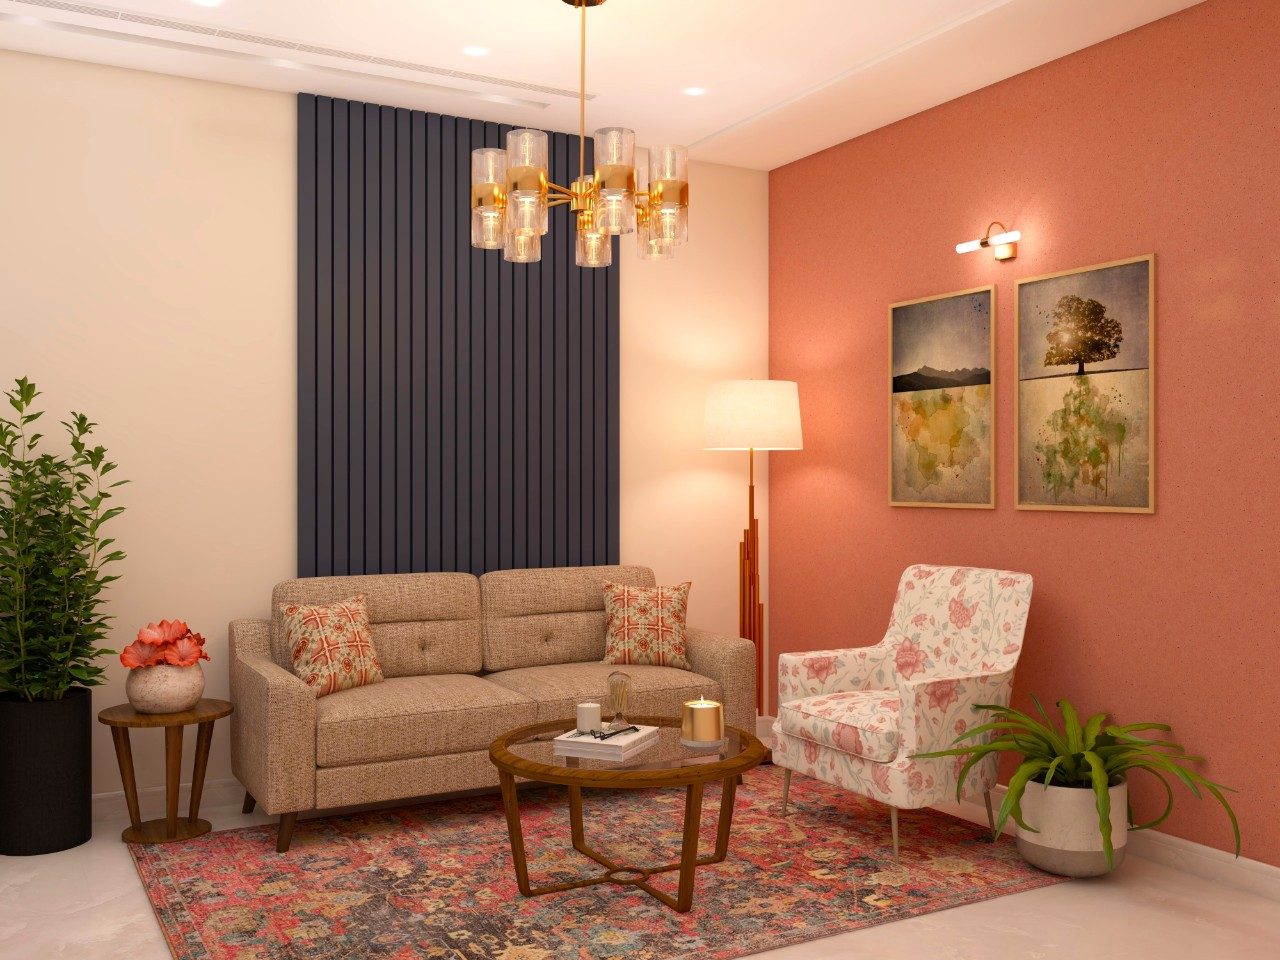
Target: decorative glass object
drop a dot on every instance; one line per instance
(619, 698)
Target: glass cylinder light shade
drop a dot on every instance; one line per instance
(488, 183)
(669, 194)
(522, 248)
(594, 248)
(526, 182)
(615, 156)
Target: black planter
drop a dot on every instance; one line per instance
(45, 773)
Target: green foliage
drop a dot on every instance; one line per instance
(1081, 438)
(52, 553)
(1081, 333)
(1093, 756)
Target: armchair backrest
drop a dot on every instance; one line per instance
(955, 621)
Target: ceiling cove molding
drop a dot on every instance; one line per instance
(122, 18)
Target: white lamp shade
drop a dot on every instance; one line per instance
(753, 414)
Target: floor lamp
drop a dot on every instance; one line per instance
(752, 415)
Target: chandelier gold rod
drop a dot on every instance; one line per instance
(582, 92)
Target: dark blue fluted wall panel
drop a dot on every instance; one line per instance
(455, 411)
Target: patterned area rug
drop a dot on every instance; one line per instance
(435, 880)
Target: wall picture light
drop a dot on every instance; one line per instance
(1003, 244)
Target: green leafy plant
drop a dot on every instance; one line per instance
(1094, 755)
(52, 554)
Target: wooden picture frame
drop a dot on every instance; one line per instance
(956, 470)
(1050, 472)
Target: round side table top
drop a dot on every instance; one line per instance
(123, 715)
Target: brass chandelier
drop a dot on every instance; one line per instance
(511, 192)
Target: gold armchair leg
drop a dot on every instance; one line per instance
(786, 788)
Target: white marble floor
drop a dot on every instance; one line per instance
(88, 903)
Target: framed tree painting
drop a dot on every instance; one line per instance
(942, 400)
(1085, 405)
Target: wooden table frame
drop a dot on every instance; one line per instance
(692, 777)
(121, 719)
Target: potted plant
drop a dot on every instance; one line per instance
(53, 507)
(1069, 795)
(164, 668)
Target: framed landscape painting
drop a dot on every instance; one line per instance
(942, 400)
(1084, 409)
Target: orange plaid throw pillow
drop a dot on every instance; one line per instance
(331, 646)
(645, 625)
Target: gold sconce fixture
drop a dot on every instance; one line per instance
(646, 195)
(1003, 244)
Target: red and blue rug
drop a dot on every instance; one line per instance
(434, 880)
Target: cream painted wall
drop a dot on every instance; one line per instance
(147, 278)
(685, 323)
(147, 271)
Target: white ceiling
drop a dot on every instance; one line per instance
(784, 78)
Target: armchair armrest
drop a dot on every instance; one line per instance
(832, 671)
(730, 662)
(273, 728)
(937, 710)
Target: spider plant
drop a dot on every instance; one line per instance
(1094, 755)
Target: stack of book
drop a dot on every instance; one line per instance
(618, 748)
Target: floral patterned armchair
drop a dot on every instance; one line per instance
(857, 717)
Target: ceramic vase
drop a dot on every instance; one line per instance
(1069, 842)
(164, 688)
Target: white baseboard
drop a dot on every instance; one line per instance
(111, 807)
(1208, 863)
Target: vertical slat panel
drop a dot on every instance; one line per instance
(402, 523)
(341, 562)
(454, 411)
(307, 335)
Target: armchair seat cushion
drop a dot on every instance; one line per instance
(558, 689)
(863, 723)
(407, 717)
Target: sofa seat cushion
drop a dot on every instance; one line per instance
(559, 688)
(863, 723)
(405, 717)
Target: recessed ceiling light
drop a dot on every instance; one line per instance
(475, 51)
(207, 3)
(694, 91)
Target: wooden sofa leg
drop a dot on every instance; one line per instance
(249, 803)
(893, 825)
(284, 835)
(786, 788)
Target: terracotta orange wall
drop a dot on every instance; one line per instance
(1164, 140)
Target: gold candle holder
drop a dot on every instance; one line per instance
(702, 724)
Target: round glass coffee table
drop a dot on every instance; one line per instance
(682, 767)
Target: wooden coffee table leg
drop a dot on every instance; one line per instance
(512, 807)
(172, 777)
(728, 792)
(575, 817)
(204, 736)
(124, 757)
(689, 846)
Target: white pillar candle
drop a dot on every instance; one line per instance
(589, 717)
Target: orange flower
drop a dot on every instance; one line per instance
(166, 631)
(186, 651)
(139, 654)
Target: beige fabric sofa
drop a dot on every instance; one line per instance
(465, 660)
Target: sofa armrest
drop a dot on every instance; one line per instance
(273, 728)
(730, 662)
(818, 672)
(937, 710)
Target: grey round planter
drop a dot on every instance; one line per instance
(1068, 842)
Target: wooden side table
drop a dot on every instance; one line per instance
(121, 719)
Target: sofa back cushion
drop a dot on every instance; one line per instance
(549, 615)
(423, 623)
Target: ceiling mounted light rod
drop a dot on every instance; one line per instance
(511, 191)
(1003, 244)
